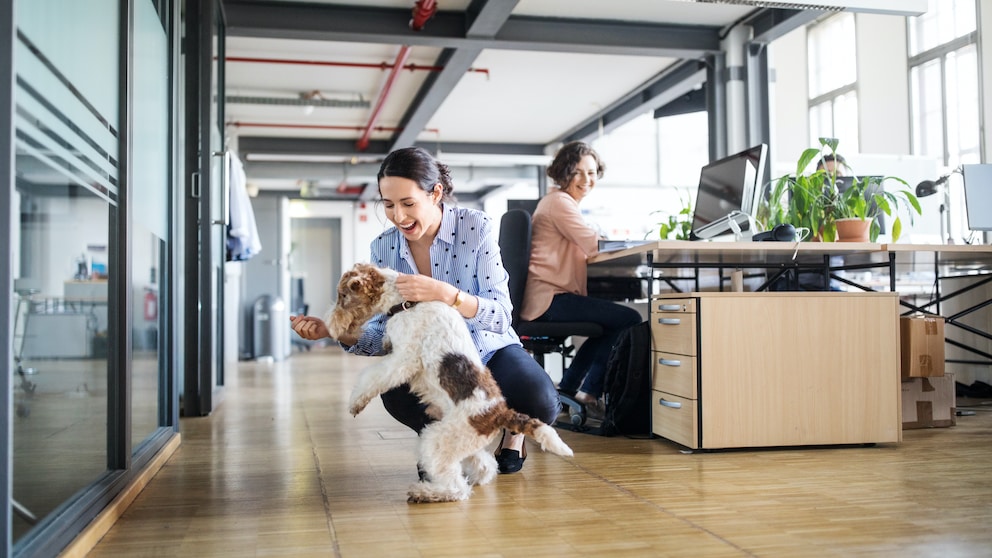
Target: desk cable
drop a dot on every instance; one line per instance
(803, 234)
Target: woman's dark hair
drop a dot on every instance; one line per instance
(568, 158)
(832, 157)
(418, 165)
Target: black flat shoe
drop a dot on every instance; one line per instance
(508, 460)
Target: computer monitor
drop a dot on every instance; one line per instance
(978, 196)
(727, 192)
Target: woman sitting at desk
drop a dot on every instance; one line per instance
(556, 279)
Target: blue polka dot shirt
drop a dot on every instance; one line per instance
(465, 253)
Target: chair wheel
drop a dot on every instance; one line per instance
(576, 410)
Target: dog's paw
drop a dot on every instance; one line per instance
(479, 469)
(356, 408)
(357, 405)
(426, 493)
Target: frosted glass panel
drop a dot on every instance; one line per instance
(66, 103)
(80, 39)
(151, 120)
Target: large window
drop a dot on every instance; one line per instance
(945, 95)
(833, 76)
(943, 68)
(652, 168)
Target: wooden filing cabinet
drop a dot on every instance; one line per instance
(735, 370)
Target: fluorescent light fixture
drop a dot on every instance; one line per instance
(887, 7)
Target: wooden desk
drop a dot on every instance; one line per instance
(739, 370)
(669, 260)
(687, 253)
(753, 374)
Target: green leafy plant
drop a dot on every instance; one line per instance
(812, 200)
(677, 226)
(867, 197)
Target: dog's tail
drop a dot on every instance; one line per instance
(544, 434)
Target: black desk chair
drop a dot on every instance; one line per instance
(539, 338)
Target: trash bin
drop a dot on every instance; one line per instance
(270, 326)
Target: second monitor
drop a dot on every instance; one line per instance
(727, 192)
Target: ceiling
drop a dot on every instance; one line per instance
(313, 100)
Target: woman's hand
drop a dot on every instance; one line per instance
(421, 288)
(309, 327)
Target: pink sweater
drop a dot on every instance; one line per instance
(560, 243)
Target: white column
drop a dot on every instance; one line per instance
(734, 45)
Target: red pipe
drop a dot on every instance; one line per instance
(239, 124)
(379, 66)
(363, 142)
(423, 10)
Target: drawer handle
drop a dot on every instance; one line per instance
(670, 307)
(673, 404)
(670, 321)
(670, 362)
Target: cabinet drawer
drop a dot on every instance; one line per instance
(673, 332)
(673, 305)
(674, 374)
(674, 418)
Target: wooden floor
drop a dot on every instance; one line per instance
(281, 469)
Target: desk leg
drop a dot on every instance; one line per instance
(892, 272)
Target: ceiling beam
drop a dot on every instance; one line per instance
(671, 84)
(769, 25)
(334, 173)
(323, 22)
(485, 18)
(344, 148)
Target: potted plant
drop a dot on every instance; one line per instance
(814, 201)
(860, 205)
(677, 226)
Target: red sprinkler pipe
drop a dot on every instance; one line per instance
(423, 10)
(380, 66)
(239, 124)
(363, 142)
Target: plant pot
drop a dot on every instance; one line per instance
(853, 230)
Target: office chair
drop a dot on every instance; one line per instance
(539, 338)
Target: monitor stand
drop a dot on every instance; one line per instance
(736, 222)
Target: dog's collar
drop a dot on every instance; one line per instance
(405, 305)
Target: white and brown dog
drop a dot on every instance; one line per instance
(432, 351)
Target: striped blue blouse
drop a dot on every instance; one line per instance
(465, 253)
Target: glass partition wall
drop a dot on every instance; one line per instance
(90, 226)
(66, 205)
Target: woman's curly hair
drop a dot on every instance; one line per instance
(567, 158)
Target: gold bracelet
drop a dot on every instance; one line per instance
(458, 299)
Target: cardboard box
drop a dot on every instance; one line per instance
(922, 340)
(928, 402)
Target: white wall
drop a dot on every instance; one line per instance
(883, 84)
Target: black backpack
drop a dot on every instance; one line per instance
(628, 384)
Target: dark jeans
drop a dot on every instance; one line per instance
(525, 385)
(589, 365)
